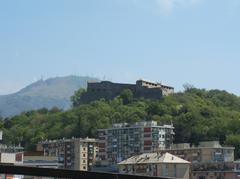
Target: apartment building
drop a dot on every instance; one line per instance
(209, 159)
(210, 151)
(124, 140)
(85, 153)
(156, 164)
(76, 153)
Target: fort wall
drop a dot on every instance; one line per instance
(108, 90)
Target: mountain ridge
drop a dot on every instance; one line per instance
(52, 92)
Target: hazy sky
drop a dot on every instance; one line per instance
(173, 41)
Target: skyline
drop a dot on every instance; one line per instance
(173, 41)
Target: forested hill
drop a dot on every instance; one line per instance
(43, 93)
(196, 114)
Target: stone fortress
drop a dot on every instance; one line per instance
(108, 90)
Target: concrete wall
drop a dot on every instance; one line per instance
(183, 171)
(107, 90)
(7, 157)
(213, 144)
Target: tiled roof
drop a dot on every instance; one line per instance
(153, 158)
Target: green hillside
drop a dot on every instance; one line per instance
(197, 115)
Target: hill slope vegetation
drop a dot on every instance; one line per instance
(197, 115)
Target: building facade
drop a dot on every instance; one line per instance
(33, 160)
(108, 90)
(205, 152)
(156, 164)
(77, 154)
(124, 140)
(225, 171)
(209, 159)
(11, 158)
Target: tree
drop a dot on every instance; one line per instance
(55, 110)
(76, 98)
(234, 140)
(153, 108)
(196, 114)
(127, 96)
(188, 86)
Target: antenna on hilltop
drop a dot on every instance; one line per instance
(104, 77)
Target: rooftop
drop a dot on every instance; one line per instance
(69, 140)
(154, 158)
(158, 84)
(141, 124)
(202, 144)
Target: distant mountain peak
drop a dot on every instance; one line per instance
(47, 93)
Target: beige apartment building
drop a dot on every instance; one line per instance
(85, 153)
(209, 159)
(76, 153)
(156, 164)
(205, 152)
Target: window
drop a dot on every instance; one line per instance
(175, 170)
(165, 169)
(18, 157)
(84, 161)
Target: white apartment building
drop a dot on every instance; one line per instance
(123, 140)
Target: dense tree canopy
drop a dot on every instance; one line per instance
(197, 115)
(76, 98)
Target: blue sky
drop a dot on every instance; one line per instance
(173, 41)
